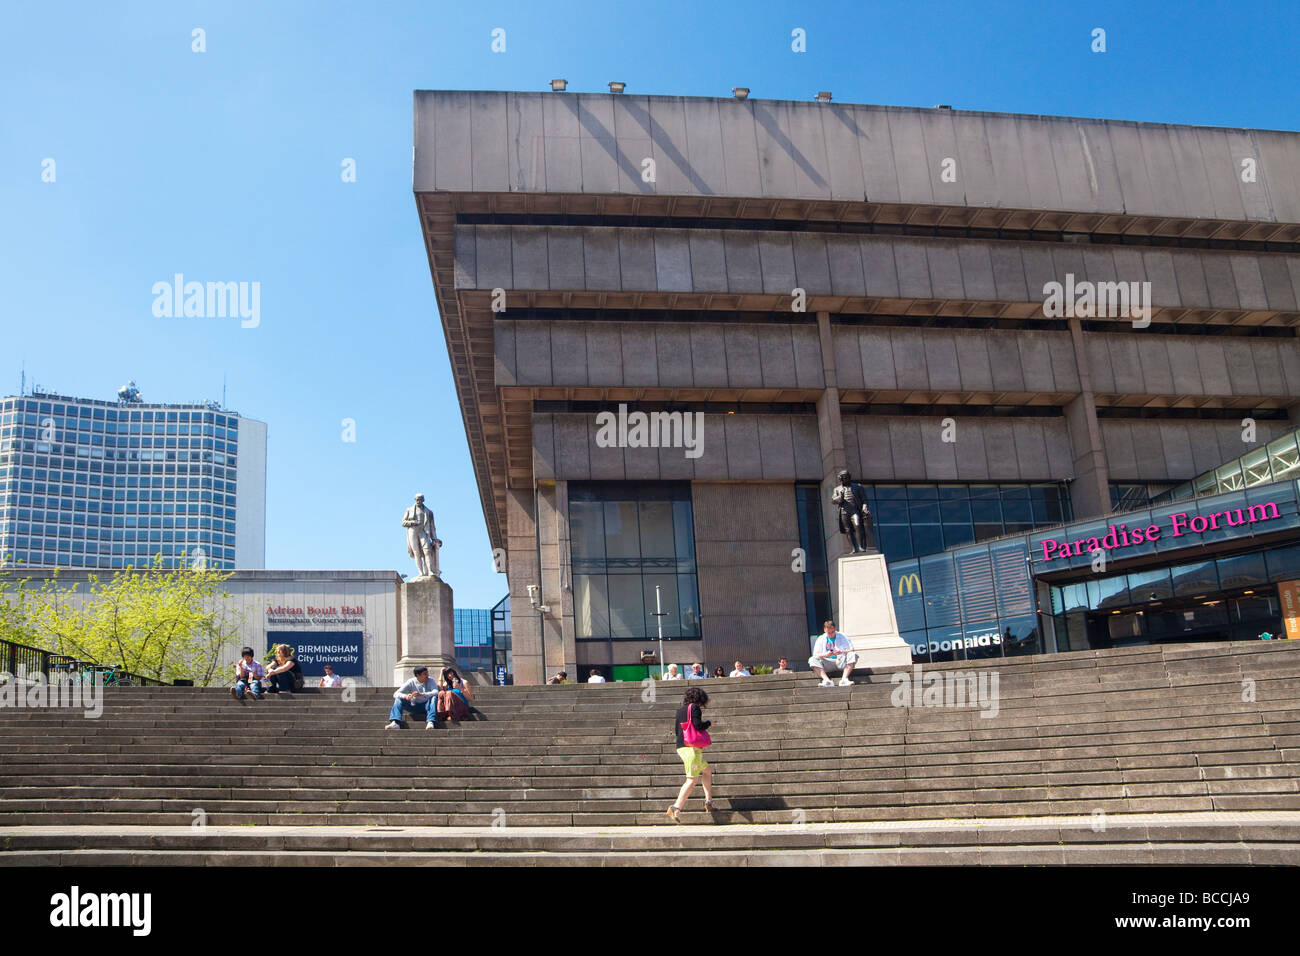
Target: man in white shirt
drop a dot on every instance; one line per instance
(696, 672)
(833, 651)
(331, 679)
(595, 677)
(672, 673)
(419, 695)
(739, 671)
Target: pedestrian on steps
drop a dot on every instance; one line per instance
(692, 737)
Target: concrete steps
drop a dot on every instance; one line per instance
(1263, 838)
(1205, 728)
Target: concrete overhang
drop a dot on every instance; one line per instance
(539, 157)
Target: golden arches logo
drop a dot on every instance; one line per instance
(912, 581)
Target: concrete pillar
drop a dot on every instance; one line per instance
(1090, 492)
(830, 432)
(522, 570)
(564, 594)
(549, 519)
(428, 628)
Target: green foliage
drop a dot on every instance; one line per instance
(13, 616)
(761, 669)
(160, 623)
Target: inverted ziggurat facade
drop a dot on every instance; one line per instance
(823, 286)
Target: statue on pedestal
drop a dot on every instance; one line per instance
(421, 539)
(855, 517)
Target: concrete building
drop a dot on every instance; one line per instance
(95, 484)
(350, 619)
(832, 285)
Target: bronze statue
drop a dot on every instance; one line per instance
(855, 517)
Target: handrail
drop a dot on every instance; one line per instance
(36, 660)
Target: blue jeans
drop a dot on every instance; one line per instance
(423, 710)
(255, 685)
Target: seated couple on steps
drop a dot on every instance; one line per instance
(448, 700)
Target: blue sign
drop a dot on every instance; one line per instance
(341, 649)
(501, 675)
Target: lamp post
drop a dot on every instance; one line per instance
(660, 614)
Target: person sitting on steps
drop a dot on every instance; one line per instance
(286, 673)
(833, 651)
(419, 695)
(454, 698)
(249, 675)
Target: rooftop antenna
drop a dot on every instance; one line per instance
(223, 389)
(22, 381)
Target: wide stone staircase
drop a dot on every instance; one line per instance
(1176, 753)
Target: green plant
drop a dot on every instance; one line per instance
(157, 622)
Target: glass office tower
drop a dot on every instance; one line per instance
(95, 484)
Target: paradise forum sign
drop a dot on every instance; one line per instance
(1179, 524)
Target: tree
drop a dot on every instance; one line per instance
(13, 614)
(164, 623)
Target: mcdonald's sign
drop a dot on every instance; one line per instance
(912, 582)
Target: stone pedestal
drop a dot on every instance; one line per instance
(865, 612)
(428, 628)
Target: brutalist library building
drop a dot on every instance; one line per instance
(1060, 355)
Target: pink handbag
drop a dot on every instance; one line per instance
(692, 737)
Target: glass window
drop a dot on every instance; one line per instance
(1191, 580)
(656, 521)
(1255, 466)
(1154, 585)
(816, 581)
(1242, 571)
(667, 603)
(939, 587)
(895, 542)
(957, 534)
(955, 511)
(946, 644)
(927, 539)
(923, 512)
(1283, 459)
(1228, 477)
(622, 538)
(626, 606)
(1283, 563)
(1108, 593)
(626, 540)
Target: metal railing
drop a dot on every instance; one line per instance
(18, 659)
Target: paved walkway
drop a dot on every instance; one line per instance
(1113, 820)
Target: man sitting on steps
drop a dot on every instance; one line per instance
(833, 651)
(419, 695)
(249, 674)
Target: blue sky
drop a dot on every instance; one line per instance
(225, 166)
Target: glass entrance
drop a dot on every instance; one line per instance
(1210, 618)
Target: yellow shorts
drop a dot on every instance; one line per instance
(693, 757)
